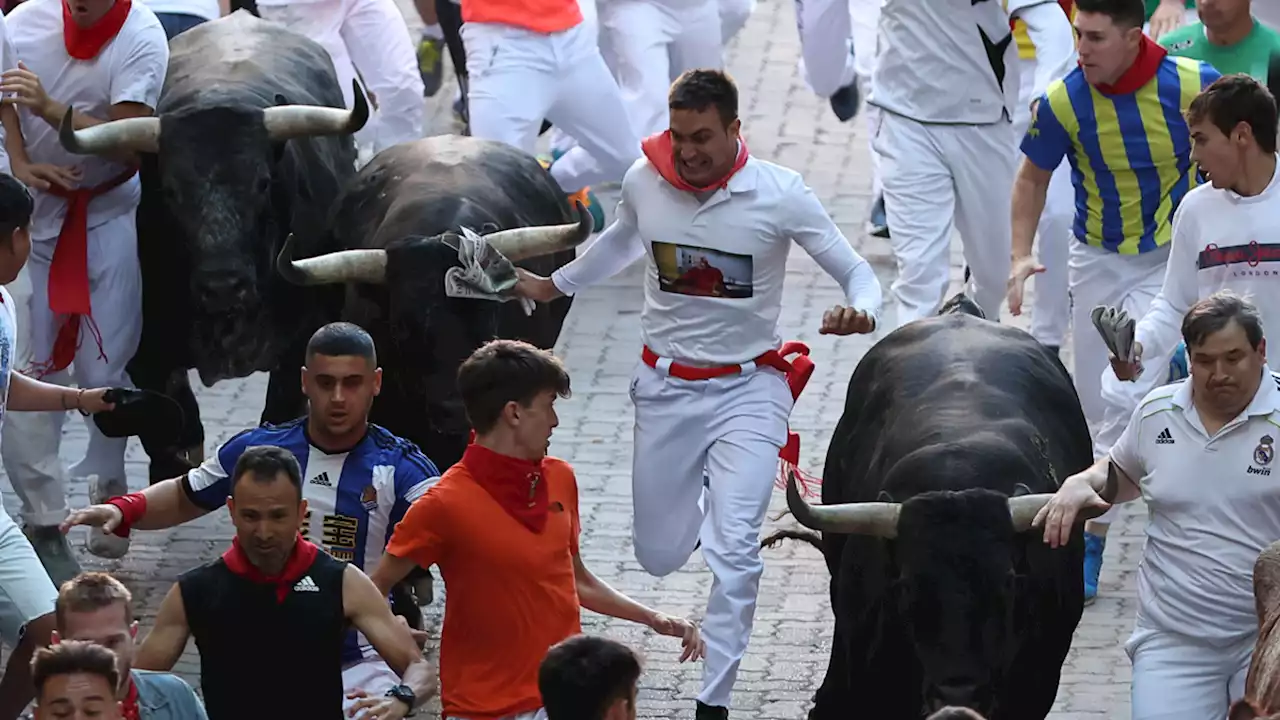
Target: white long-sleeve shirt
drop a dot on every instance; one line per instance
(1221, 241)
(1053, 38)
(725, 310)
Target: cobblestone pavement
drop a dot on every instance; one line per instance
(787, 659)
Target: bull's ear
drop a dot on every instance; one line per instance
(281, 99)
(1019, 490)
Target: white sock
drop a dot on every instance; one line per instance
(433, 31)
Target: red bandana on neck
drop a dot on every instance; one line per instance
(518, 485)
(659, 151)
(86, 43)
(1144, 67)
(300, 560)
(129, 706)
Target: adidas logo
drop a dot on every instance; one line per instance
(1164, 438)
(306, 584)
(322, 480)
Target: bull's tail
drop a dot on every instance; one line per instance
(808, 536)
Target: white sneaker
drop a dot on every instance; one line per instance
(100, 542)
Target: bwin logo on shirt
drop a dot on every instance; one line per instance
(322, 480)
(1164, 438)
(306, 584)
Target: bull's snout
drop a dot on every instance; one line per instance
(223, 291)
(954, 694)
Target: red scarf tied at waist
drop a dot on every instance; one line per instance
(518, 485)
(1143, 69)
(300, 560)
(85, 43)
(658, 149)
(69, 274)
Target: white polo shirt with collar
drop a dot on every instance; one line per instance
(744, 232)
(1213, 504)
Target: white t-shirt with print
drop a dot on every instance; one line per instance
(1213, 504)
(130, 68)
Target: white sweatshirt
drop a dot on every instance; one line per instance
(1220, 241)
(713, 281)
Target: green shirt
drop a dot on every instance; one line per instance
(1250, 56)
(1153, 4)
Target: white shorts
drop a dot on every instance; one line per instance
(371, 675)
(26, 592)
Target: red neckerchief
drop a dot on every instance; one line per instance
(518, 485)
(86, 43)
(1144, 67)
(299, 562)
(129, 706)
(69, 273)
(658, 149)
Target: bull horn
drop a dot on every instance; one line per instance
(345, 266)
(1023, 509)
(522, 243)
(139, 134)
(294, 121)
(878, 519)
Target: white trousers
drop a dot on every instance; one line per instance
(729, 429)
(734, 15)
(519, 77)
(373, 675)
(865, 15)
(26, 592)
(1100, 277)
(368, 37)
(1051, 309)
(933, 174)
(1180, 678)
(30, 446)
(653, 43)
(826, 63)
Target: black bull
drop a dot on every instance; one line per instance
(249, 146)
(956, 432)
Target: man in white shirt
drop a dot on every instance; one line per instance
(1216, 234)
(26, 595)
(368, 37)
(108, 63)
(946, 141)
(1200, 452)
(714, 390)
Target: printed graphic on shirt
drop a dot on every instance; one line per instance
(1252, 255)
(692, 270)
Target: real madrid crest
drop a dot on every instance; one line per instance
(1265, 452)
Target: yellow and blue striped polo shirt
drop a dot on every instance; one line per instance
(1130, 153)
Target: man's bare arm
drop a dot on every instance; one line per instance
(1110, 482)
(390, 571)
(167, 506)
(367, 609)
(168, 639)
(1029, 191)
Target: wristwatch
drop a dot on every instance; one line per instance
(404, 694)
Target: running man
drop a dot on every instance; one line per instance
(360, 482)
(1118, 118)
(714, 391)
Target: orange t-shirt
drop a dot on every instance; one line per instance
(544, 16)
(510, 593)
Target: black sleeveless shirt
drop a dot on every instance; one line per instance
(261, 659)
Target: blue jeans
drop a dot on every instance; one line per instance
(176, 23)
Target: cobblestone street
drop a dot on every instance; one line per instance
(787, 660)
